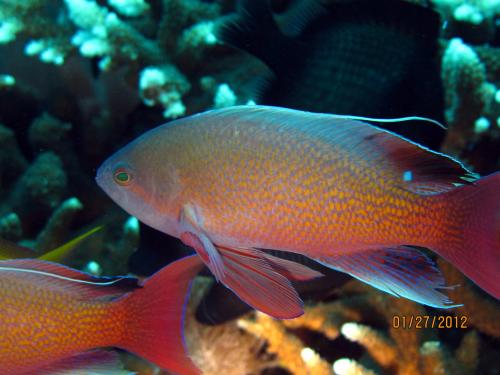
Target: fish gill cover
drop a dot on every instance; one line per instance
(81, 78)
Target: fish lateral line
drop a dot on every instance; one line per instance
(48, 274)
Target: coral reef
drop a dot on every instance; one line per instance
(405, 349)
(474, 19)
(289, 350)
(41, 188)
(79, 78)
(81, 71)
(157, 42)
(473, 109)
(223, 349)
(470, 74)
(314, 343)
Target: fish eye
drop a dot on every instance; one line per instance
(122, 176)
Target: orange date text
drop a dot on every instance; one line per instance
(429, 321)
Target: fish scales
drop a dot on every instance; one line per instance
(54, 318)
(46, 310)
(352, 196)
(312, 193)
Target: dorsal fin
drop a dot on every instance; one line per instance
(255, 31)
(416, 167)
(89, 287)
(299, 16)
(422, 170)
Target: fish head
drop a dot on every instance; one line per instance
(143, 184)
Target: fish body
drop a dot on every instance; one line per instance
(267, 185)
(348, 57)
(51, 315)
(347, 194)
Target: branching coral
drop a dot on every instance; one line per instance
(130, 8)
(107, 252)
(470, 74)
(37, 21)
(77, 70)
(395, 351)
(12, 161)
(41, 188)
(437, 359)
(105, 58)
(470, 97)
(360, 314)
(6, 80)
(58, 226)
(164, 86)
(474, 19)
(223, 349)
(290, 351)
(48, 133)
(116, 34)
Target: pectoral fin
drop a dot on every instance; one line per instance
(400, 271)
(292, 270)
(253, 278)
(250, 275)
(207, 251)
(194, 236)
(259, 279)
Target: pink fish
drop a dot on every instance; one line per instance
(53, 318)
(352, 196)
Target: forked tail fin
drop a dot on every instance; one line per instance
(478, 256)
(155, 317)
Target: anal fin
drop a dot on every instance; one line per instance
(401, 271)
(95, 362)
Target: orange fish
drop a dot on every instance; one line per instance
(350, 195)
(53, 317)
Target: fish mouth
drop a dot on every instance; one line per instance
(101, 176)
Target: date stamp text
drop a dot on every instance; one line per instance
(429, 321)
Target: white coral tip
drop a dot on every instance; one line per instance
(350, 331)
(343, 366)
(131, 225)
